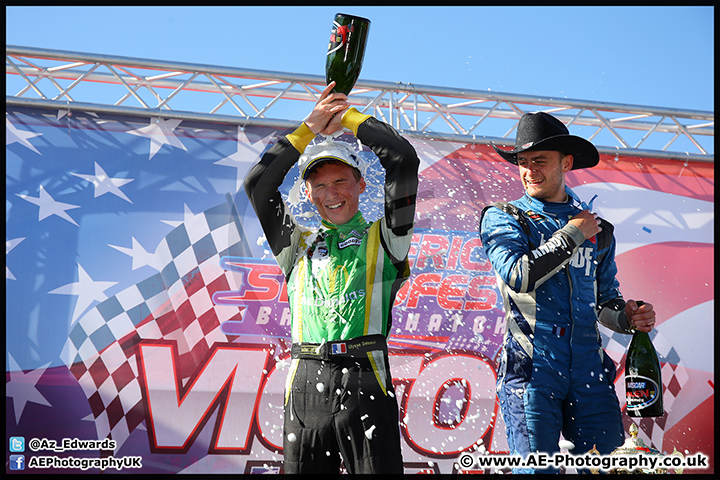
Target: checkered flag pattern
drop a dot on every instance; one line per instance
(674, 377)
(174, 304)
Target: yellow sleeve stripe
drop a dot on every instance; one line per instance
(301, 137)
(353, 118)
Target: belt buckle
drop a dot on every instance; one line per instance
(310, 349)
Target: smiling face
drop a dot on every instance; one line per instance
(335, 191)
(542, 174)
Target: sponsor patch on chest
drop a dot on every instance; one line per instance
(535, 216)
(349, 241)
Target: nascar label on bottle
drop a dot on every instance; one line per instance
(643, 380)
(346, 51)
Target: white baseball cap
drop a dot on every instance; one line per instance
(328, 150)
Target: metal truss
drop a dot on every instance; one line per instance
(131, 86)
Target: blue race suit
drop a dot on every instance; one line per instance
(554, 376)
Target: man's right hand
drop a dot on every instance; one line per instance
(327, 114)
(587, 222)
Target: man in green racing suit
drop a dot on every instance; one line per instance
(342, 280)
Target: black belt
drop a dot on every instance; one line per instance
(356, 347)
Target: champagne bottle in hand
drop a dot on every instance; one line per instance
(346, 51)
(643, 382)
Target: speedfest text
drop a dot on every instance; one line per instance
(452, 282)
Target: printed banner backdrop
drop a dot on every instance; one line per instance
(144, 306)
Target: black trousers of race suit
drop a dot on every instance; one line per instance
(337, 411)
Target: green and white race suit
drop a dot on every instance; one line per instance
(342, 279)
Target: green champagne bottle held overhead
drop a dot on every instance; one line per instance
(346, 51)
(643, 381)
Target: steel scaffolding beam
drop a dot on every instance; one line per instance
(65, 80)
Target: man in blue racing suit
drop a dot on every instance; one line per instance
(555, 264)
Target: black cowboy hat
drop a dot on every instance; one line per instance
(542, 131)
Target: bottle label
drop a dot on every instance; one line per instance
(640, 392)
(339, 37)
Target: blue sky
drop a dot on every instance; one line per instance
(656, 56)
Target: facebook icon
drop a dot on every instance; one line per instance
(17, 462)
